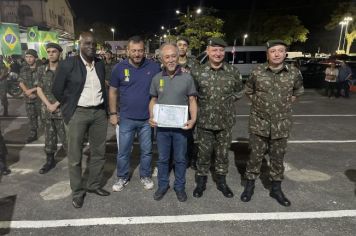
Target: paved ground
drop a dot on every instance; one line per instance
(320, 182)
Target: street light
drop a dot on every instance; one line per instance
(113, 34)
(198, 11)
(244, 39)
(347, 19)
(342, 23)
(91, 30)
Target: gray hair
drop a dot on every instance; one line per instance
(167, 45)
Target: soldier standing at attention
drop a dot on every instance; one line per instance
(185, 61)
(3, 85)
(188, 63)
(52, 116)
(28, 84)
(272, 88)
(219, 86)
(109, 65)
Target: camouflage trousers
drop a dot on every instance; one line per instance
(213, 142)
(32, 110)
(3, 149)
(260, 146)
(54, 128)
(3, 95)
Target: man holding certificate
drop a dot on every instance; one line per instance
(172, 94)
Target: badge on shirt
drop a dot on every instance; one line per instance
(161, 85)
(127, 75)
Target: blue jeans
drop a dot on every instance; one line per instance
(168, 138)
(127, 131)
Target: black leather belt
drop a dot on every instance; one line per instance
(98, 107)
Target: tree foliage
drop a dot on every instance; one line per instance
(199, 28)
(286, 27)
(343, 10)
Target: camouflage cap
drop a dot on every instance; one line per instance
(54, 45)
(272, 43)
(183, 38)
(217, 42)
(31, 52)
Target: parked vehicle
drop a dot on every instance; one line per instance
(245, 58)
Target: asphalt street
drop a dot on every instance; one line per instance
(320, 181)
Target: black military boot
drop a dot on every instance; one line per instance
(248, 191)
(276, 193)
(50, 164)
(201, 186)
(223, 187)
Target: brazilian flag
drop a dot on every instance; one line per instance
(44, 38)
(10, 39)
(32, 34)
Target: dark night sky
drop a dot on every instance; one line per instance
(140, 17)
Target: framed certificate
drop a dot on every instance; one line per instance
(170, 116)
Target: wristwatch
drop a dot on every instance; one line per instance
(112, 113)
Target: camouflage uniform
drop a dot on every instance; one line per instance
(28, 76)
(191, 64)
(53, 122)
(3, 150)
(218, 90)
(270, 117)
(3, 87)
(108, 70)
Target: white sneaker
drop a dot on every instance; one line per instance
(120, 185)
(147, 183)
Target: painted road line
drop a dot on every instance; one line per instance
(139, 220)
(233, 141)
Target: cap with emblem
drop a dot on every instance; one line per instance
(183, 38)
(31, 52)
(217, 42)
(275, 42)
(54, 45)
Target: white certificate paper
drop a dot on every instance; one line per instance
(170, 116)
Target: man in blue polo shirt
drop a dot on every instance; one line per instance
(131, 78)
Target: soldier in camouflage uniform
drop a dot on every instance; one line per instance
(3, 85)
(219, 86)
(109, 65)
(4, 170)
(188, 63)
(185, 61)
(28, 84)
(52, 116)
(272, 88)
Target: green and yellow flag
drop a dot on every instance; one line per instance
(44, 38)
(32, 34)
(10, 39)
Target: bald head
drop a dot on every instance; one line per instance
(87, 43)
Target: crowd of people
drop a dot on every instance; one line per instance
(78, 97)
